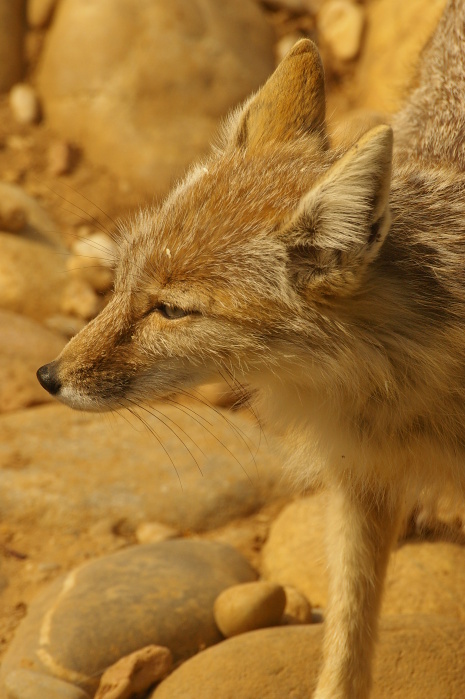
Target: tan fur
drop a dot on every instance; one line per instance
(334, 291)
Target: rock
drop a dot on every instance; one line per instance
(93, 259)
(417, 656)
(295, 552)
(298, 609)
(340, 26)
(68, 326)
(39, 12)
(91, 272)
(60, 158)
(247, 535)
(24, 346)
(17, 208)
(382, 74)
(135, 673)
(27, 684)
(157, 78)
(12, 216)
(427, 578)
(266, 664)
(32, 276)
(249, 606)
(79, 299)
(292, 5)
(221, 394)
(311, 6)
(11, 42)
(445, 514)
(155, 594)
(153, 532)
(24, 104)
(115, 468)
(97, 246)
(423, 577)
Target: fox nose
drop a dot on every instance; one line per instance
(48, 378)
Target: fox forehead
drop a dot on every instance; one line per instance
(220, 220)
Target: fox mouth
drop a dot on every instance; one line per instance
(102, 392)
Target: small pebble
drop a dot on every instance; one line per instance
(219, 393)
(24, 104)
(91, 271)
(48, 568)
(311, 6)
(152, 532)
(135, 673)
(17, 142)
(298, 609)
(340, 26)
(80, 299)
(97, 245)
(249, 606)
(292, 5)
(12, 217)
(60, 158)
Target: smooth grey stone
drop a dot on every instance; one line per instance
(161, 594)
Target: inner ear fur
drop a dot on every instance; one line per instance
(342, 221)
(289, 105)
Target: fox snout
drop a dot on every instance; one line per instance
(48, 378)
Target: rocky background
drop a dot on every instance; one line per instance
(129, 544)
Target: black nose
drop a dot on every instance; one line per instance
(48, 378)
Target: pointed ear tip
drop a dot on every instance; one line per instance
(306, 49)
(303, 46)
(380, 137)
(383, 132)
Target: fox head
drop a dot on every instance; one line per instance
(240, 269)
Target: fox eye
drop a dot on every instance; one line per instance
(172, 312)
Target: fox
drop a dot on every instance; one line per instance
(328, 280)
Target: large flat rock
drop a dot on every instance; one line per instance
(417, 657)
(65, 469)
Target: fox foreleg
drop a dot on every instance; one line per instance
(362, 530)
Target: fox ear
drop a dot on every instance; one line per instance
(291, 103)
(341, 223)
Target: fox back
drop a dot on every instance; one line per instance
(329, 281)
